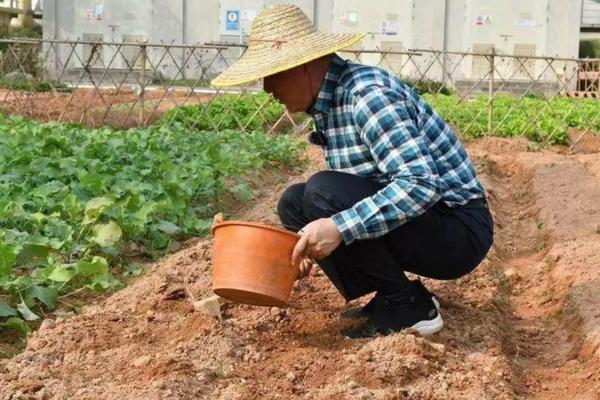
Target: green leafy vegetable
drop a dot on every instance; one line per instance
(72, 200)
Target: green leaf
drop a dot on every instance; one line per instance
(17, 324)
(104, 283)
(168, 227)
(98, 266)
(47, 295)
(72, 206)
(106, 235)
(31, 253)
(14, 236)
(59, 229)
(7, 259)
(47, 189)
(61, 273)
(6, 310)
(27, 314)
(38, 218)
(94, 208)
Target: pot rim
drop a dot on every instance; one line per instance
(254, 225)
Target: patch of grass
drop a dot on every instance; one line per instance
(521, 192)
(33, 86)
(540, 224)
(189, 83)
(219, 370)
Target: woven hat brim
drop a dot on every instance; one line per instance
(267, 59)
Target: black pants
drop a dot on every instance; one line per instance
(444, 243)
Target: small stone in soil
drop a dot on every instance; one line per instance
(290, 376)
(47, 324)
(209, 306)
(141, 361)
(275, 311)
(511, 275)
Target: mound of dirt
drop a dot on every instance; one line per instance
(523, 325)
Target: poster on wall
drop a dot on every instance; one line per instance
(232, 18)
(526, 23)
(95, 12)
(349, 18)
(99, 12)
(247, 16)
(483, 20)
(91, 12)
(390, 25)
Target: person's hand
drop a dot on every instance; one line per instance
(319, 239)
(305, 267)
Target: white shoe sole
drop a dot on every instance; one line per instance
(429, 327)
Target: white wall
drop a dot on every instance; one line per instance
(540, 27)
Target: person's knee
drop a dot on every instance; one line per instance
(321, 180)
(290, 201)
(318, 199)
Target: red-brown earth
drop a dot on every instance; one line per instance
(524, 325)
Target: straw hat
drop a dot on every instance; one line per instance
(282, 38)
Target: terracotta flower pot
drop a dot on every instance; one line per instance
(251, 263)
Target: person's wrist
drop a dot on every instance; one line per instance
(339, 235)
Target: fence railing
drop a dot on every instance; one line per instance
(481, 93)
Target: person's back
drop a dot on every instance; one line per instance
(453, 164)
(347, 149)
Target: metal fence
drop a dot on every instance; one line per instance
(138, 84)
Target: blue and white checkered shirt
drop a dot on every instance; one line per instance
(376, 126)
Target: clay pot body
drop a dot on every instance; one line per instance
(251, 263)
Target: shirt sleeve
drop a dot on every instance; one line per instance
(386, 122)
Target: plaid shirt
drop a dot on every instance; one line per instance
(376, 126)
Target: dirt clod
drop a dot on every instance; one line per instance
(276, 311)
(175, 294)
(210, 306)
(46, 325)
(142, 361)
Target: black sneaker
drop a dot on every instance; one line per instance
(419, 286)
(389, 314)
(359, 312)
(367, 309)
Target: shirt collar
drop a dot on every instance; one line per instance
(324, 98)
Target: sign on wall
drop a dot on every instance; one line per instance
(483, 20)
(232, 18)
(349, 18)
(95, 12)
(391, 25)
(247, 16)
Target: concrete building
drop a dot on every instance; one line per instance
(522, 27)
(590, 20)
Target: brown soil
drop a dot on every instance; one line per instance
(103, 107)
(584, 142)
(525, 324)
